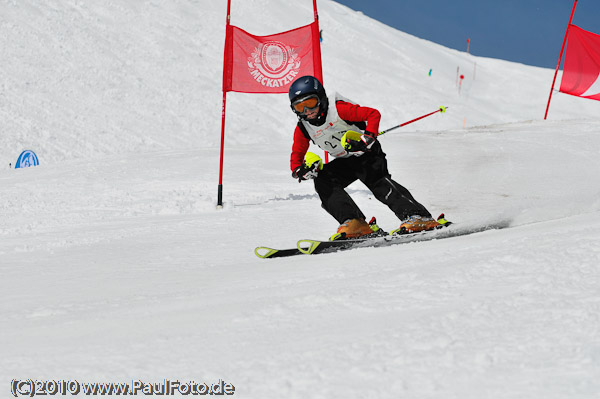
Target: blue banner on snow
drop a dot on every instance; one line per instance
(27, 159)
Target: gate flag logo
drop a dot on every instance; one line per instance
(27, 159)
(269, 64)
(581, 71)
(272, 63)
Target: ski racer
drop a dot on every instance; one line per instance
(348, 132)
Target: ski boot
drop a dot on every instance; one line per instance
(352, 228)
(416, 224)
(358, 228)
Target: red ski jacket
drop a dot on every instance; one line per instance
(351, 113)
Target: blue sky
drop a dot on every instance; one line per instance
(526, 31)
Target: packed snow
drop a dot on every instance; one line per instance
(117, 267)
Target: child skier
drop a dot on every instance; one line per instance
(348, 132)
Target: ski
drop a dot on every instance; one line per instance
(313, 247)
(307, 247)
(310, 247)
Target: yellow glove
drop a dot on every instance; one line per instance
(356, 143)
(309, 169)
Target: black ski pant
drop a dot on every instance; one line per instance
(371, 169)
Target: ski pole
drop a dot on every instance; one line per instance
(441, 109)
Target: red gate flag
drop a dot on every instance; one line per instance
(581, 71)
(269, 64)
(266, 64)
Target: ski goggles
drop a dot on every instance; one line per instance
(306, 104)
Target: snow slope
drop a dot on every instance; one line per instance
(116, 266)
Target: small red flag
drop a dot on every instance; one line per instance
(269, 64)
(581, 70)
